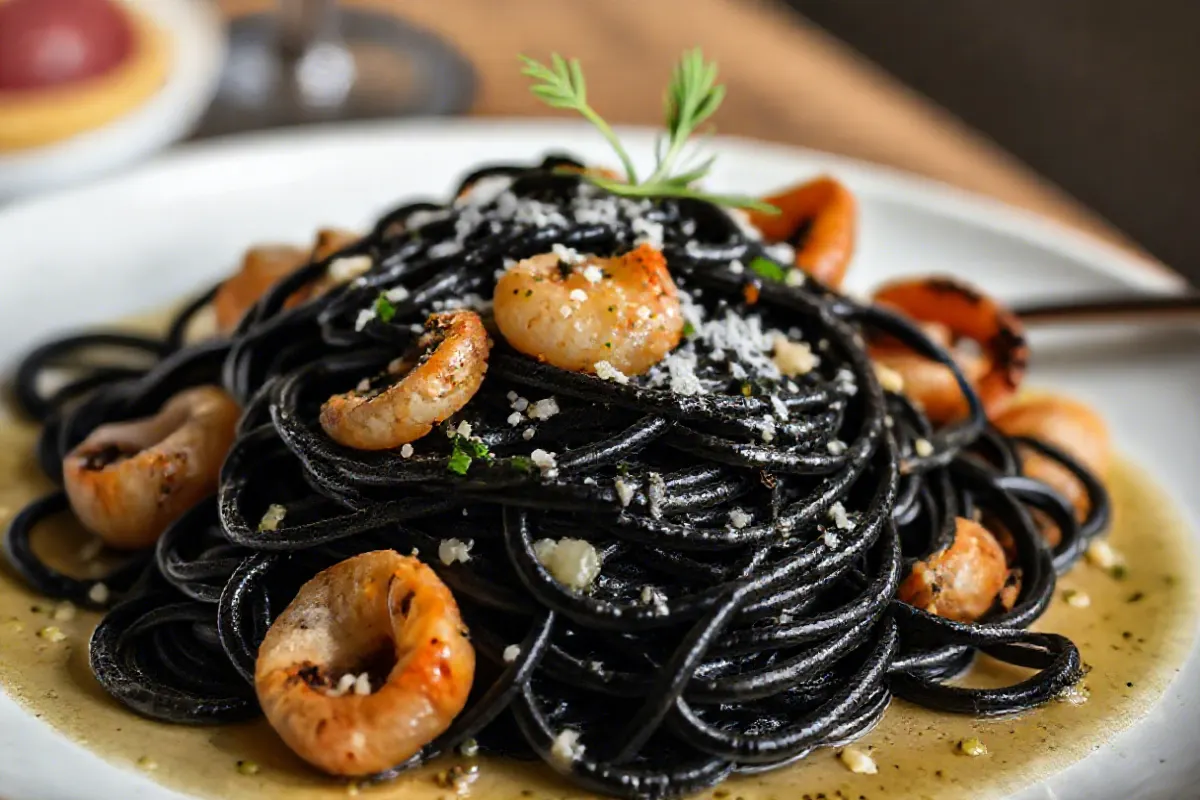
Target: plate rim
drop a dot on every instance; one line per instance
(198, 50)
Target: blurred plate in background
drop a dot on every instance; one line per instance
(197, 50)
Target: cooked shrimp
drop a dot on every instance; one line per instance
(1069, 425)
(623, 310)
(962, 312)
(428, 385)
(264, 266)
(829, 212)
(962, 581)
(367, 665)
(330, 240)
(128, 481)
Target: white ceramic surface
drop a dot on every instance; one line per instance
(197, 52)
(170, 227)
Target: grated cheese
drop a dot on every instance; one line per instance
(98, 594)
(365, 315)
(543, 409)
(566, 748)
(651, 596)
(1103, 555)
(396, 295)
(451, 550)
(781, 252)
(272, 517)
(593, 274)
(794, 358)
(575, 563)
(607, 372)
(768, 431)
(515, 419)
(648, 232)
(544, 461)
(625, 491)
(923, 448)
(889, 379)
(346, 269)
(512, 653)
(567, 255)
(835, 447)
(858, 761)
(485, 190)
(739, 518)
(837, 513)
(528, 433)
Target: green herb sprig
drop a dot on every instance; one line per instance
(692, 97)
(465, 450)
(384, 309)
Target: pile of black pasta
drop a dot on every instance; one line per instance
(739, 620)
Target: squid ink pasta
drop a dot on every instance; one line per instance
(638, 496)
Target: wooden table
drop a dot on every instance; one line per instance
(788, 82)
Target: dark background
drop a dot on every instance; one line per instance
(1099, 96)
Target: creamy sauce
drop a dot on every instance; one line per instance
(1134, 635)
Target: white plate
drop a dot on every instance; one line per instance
(173, 226)
(197, 51)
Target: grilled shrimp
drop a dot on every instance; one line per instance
(261, 268)
(128, 481)
(264, 266)
(962, 581)
(624, 310)
(1069, 425)
(955, 311)
(368, 664)
(823, 215)
(426, 386)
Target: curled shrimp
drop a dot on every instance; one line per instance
(264, 266)
(427, 385)
(261, 268)
(823, 214)
(955, 311)
(128, 481)
(368, 664)
(622, 310)
(1071, 426)
(962, 581)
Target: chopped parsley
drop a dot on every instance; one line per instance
(384, 308)
(689, 329)
(768, 269)
(464, 451)
(523, 463)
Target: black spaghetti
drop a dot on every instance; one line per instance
(752, 529)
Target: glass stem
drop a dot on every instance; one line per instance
(305, 23)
